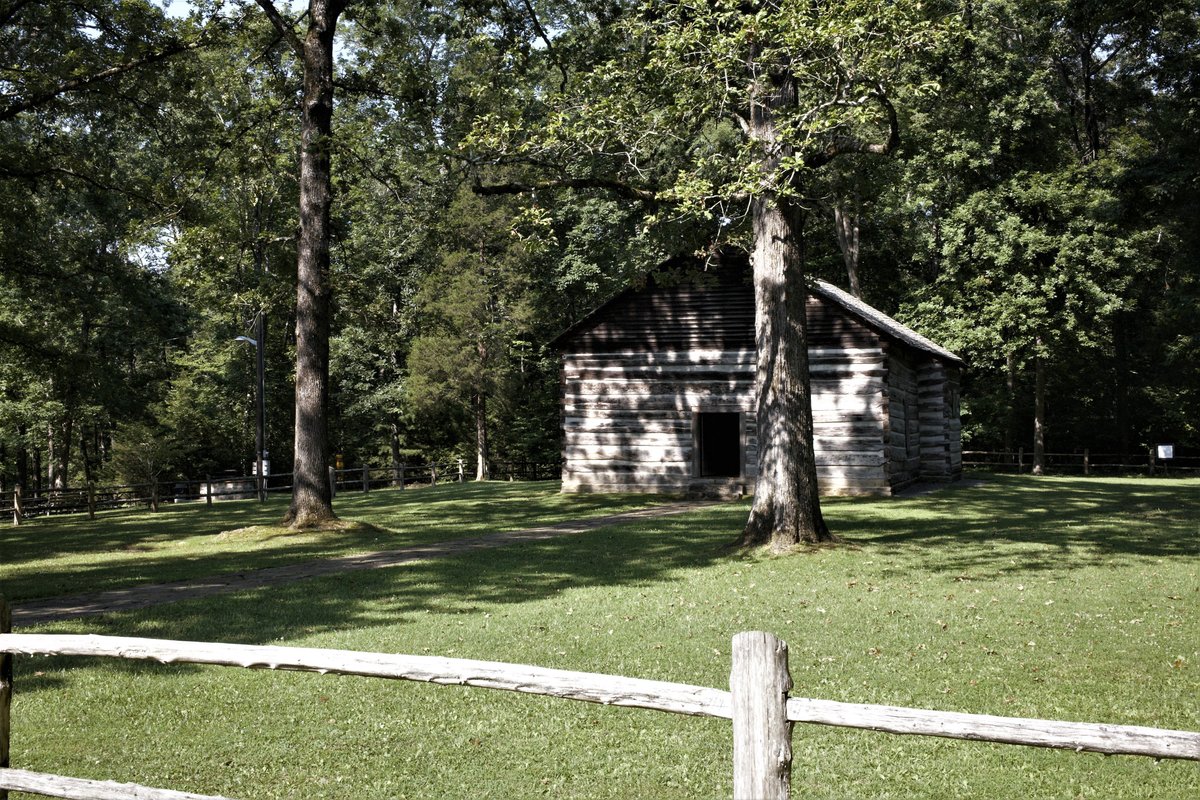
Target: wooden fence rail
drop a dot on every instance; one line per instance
(1083, 462)
(757, 703)
(90, 499)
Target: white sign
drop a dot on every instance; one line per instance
(1166, 451)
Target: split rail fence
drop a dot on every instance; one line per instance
(91, 499)
(757, 703)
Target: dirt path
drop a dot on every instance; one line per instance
(52, 609)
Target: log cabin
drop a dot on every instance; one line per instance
(658, 393)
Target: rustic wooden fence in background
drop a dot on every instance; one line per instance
(91, 499)
(757, 704)
(1083, 462)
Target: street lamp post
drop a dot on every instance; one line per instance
(260, 401)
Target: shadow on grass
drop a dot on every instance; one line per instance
(627, 554)
(1005, 523)
(121, 550)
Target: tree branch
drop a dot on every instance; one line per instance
(617, 187)
(286, 29)
(840, 145)
(541, 32)
(76, 84)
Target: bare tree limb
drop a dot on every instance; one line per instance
(286, 29)
(541, 32)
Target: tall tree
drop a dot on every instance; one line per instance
(724, 112)
(312, 502)
(476, 306)
(1040, 243)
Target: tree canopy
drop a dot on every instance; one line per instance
(1016, 179)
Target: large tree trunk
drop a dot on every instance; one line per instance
(58, 454)
(1011, 432)
(482, 472)
(22, 459)
(52, 479)
(1039, 411)
(395, 447)
(312, 503)
(787, 507)
(846, 223)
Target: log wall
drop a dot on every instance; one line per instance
(639, 370)
(941, 428)
(904, 421)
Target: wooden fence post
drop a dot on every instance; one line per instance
(91, 498)
(332, 483)
(461, 474)
(1020, 460)
(18, 508)
(6, 684)
(762, 736)
(1150, 463)
(401, 474)
(366, 478)
(1085, 461)
(433, 475)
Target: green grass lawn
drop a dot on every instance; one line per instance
(1058, 598)
(52, 556)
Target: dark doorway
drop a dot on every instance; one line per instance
(719, 445)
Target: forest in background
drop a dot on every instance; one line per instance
(1039, 216)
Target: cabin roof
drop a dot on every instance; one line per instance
(875, 318)
(871, 317)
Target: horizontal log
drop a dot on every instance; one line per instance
(620, 470)
(857, 473)
(687, 401)
(582, 457)
(642, 387)
(1092, 737)
(834, 369)
(693, 356)
(47, 785)
(859, 443)
(614, 690)
(872, 416)
(628, 482)
(627, 437)
(707, 355)
(654, 341)
(818, 353)
(838, 426)
(858, 389)
(860, 403)
(665, 422)
(839, 458)
(610, 371)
